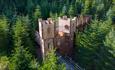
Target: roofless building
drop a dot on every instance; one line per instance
(60, 34)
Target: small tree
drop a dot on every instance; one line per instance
(111, 13)
(87, 7)
(71, 10)
(29, 6)
(36, 16)
(4, 61)
(78, 6)
(110, 45)
(110, 41)
(37, 12)
(3, 35)
(64, 11)
(21, 60)
(50, 62)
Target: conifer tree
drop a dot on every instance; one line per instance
(3, 35)
(4, 61)
(45, 10)
(78, 6)
(21, 60)
(50, 62)
(37, 13)
(111, 13)
(30, 7)
(110, 41)
(71, 11)
(21, 34)
(91, 41)
(36, 16)
(87, 6)
(110, 45)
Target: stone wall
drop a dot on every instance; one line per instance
(60, 34)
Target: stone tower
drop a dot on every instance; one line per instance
(64, 35)
(46, 35)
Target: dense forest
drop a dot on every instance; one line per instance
(94, 46)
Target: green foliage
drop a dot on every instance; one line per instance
(71, 10)
(4, 61)
(90, 49)
(34, 64)
(110, 44)
(21, 34)
(37, 12)
(3, 36)
(36, 15)
(64, 10)
(21, 60)
(45, 10)
(110, 41)
(30, 6)
(78, 6)
(87, 6)
(99, 10)
(111, 13)
(50, 62)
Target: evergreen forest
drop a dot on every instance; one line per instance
(94, 47)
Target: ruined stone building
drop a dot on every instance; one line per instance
(60, 34)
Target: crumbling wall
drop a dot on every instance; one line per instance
(60, 34)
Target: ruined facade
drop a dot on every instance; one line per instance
(59, 34)
(64, 35)
(46, 35)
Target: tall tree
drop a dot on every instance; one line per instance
(45, 10)
(110, 44)
(4, 61)
(78, 6)
(111, 13)
(21, 60)
(87, 7)
(50, 62)
(71, 11)
(91, 41)
(3, 35)
(29, 6)
(21, 34)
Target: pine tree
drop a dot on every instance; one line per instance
(45, 10)
(87, 7)
(110, 45)
(30, 7)
(37, 13)
(21, 60)
(3, 36)
(36, 16)
(110, 41)
(50, 62)
(111, 13)
(100, 11)
(4, 61)
(21, 34)
(71, 11)
(63, 11)
(91, 41)
(78, 6)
